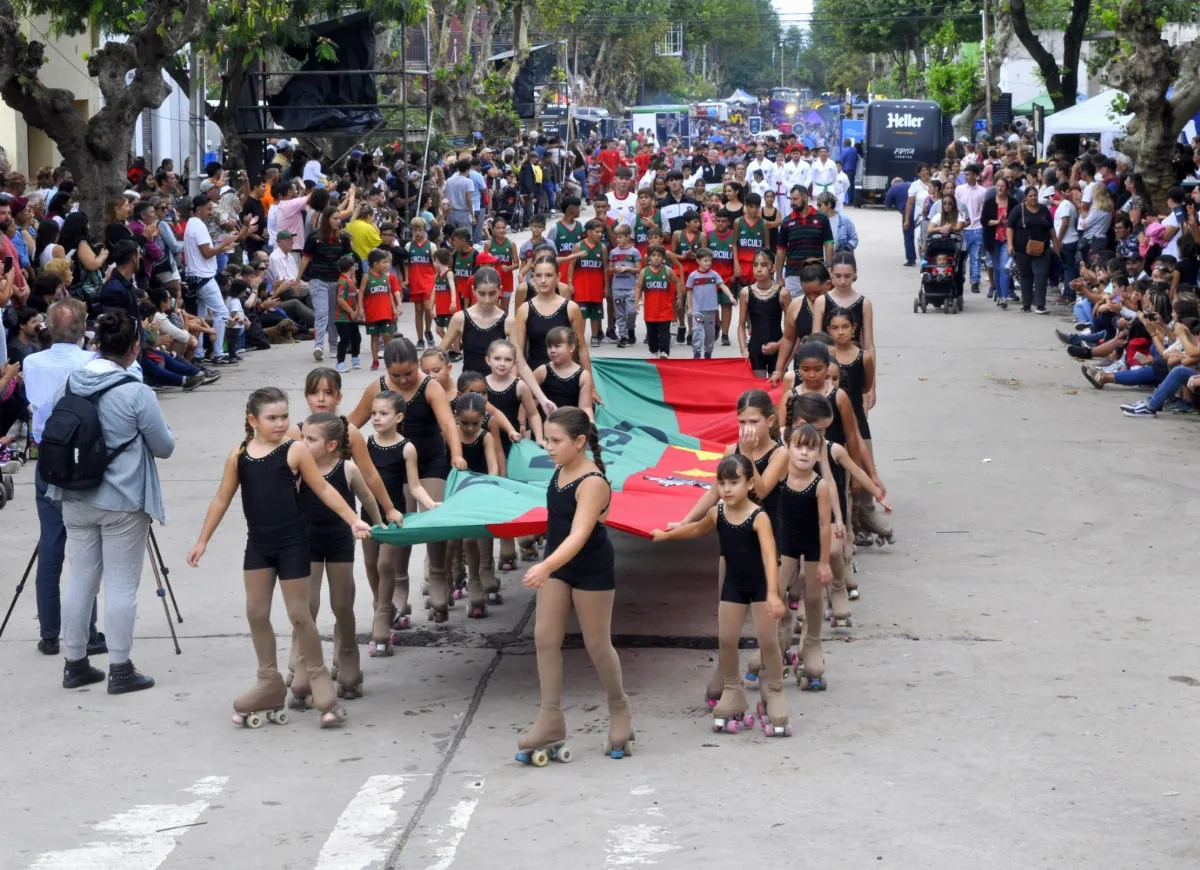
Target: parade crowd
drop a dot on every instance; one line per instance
(164, 292)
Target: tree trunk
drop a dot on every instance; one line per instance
(1144, 73)
(1062, 81)
(97, 150)
(964, 121)
(520, 31)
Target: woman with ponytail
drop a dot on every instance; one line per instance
(577, 572)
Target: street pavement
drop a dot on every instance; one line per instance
(1018, 690)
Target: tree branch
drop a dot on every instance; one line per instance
(1185, 99)
(1044, 59)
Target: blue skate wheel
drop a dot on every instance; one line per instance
(617, 753)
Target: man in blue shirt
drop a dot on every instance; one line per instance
(897, 198)
(44, 374)
(849, 165)
(480, 187)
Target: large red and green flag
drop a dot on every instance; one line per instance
(663, 427)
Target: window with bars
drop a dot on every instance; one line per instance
(672, 43)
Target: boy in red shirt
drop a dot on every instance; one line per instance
(380, 301)
(420, 280)
(609, 159)
(586, 276)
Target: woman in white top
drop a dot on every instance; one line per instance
(947, 220)
(1066, 234)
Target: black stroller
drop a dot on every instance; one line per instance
(943, 270)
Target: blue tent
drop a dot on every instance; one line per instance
(814, 117)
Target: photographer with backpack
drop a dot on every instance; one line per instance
(97, 454)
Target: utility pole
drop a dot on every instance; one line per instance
(987, 74)
(198, 122)
(781, 64)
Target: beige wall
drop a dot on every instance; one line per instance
(29, 148)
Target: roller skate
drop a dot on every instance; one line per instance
(621, 738)
(400, 620)
(839, 605)
(851, 583)
(488, 578)
(811, 675)
(381, 632)
(716, 685)
(772, 711)
(508, 563)
(301, 692)
(529, 549)
(349, 676)
(729, 715)
(546, 741)
(438, 616)
(267, 696)
(460, 590)
(873, 524)
(324, 697)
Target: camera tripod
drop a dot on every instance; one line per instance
(161, 578)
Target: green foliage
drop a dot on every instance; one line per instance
(953, 82)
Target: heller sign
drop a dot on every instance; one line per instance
(905, 121)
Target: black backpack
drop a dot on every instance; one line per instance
(72, 454)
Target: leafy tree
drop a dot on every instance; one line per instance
(128, 70)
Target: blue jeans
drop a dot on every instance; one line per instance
(51, 553)
(910, 245)
(170, 373)
(1070, 266)
(1003, 279)
(1083, 310)
(974, 240)
(1142, 376)
(1175, 380)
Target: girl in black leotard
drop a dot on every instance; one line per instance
(760, 322)
(331, 543)
(564, 381)
(805, 533)
(481, 452)
(479, 325)
(538, 316)
(816, 410)
(803, 317)
(509, 396)
(751, 581)
(758, 441)
(264, 466)
(429, 425)
(399, 462)
(578, 571)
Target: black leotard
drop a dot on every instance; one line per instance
(537, 327)
(770, 504)
(856, 315)
(329, 538)
(593, 568)
(853, 376)
(393, 470)
(766, 325)
(804, 321)
(475, 455)
(745, 575)
(475, 343)
(563, 392)
(269, 499)
(421, 427)
(508, 403)
(799, 521)
(276, 536)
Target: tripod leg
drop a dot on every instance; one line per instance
(20, 589)
(166, 573)
(162, 594)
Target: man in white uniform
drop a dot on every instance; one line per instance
(824, 173)
(841, 184)
(622, 200)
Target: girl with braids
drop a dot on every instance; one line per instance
(534, 320)
(751, 582)
(577, 572)
(803, 315)
(398, 462)
(265, 466)
(323, 393)
(330, 542)
(758, 440)
(482, 452)
(429, 425)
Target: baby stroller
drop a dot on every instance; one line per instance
(942, 274)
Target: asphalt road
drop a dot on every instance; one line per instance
(1018, 690)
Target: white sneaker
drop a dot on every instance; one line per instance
(341, 367)
(318, 354)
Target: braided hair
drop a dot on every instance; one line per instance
(576, 423)
(258, 400)
(332, 428)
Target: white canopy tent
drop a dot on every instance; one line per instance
(1094, 115)
(741, 98)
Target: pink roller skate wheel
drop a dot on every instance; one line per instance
(749, 721)
(711, 703)
(732, 726)
(787, 730)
